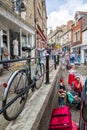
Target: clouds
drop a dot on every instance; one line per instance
(64, 11)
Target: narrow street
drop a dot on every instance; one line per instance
(80, 69)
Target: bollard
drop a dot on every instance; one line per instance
(55, 62)
(58, 59)
(47, 69)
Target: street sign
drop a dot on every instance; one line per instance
(58, 46)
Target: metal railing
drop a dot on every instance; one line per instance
(47, 70)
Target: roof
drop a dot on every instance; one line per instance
(80, 13)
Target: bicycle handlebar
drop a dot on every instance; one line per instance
(28, 48)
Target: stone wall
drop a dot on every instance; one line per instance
(37, 112)
(52, 103)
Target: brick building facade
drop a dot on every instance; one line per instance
(79, 35)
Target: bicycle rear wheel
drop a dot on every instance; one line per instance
(40, 75)
(16, 84)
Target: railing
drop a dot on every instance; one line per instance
(47, 66)
(55, 63)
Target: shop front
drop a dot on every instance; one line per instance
(11, 27)
(66, 47)
(81, 50)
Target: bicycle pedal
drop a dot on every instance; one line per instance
(33, 89)
(23, 98)
(36, 79)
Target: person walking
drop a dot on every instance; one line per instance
(86, 61)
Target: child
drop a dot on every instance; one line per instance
(71, 76)
(61, 93)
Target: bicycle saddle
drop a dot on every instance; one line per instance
(27, 48)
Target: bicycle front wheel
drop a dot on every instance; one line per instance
(40, 75)
(16, 84)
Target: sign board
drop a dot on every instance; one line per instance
(58, 46)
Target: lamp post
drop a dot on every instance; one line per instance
(35, 25)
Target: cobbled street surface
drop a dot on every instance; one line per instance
(81, 69)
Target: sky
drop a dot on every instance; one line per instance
(60, 11)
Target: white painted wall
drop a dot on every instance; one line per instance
(84, 43)
(32, 41)
(84, 37)
(82, 55)
(66, 38)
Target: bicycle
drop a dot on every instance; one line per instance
(18, 86)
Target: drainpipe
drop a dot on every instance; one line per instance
(42, 15)
(1, 45)
(21, 42)
(35, 25)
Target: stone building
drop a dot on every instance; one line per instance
(54, 36)
(41, 21)
(24, 19)
(13, 25)
(65, 38)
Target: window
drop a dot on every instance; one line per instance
(16, 5)
(76, 21)
(77, 36)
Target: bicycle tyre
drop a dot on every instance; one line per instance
(16, 83)
(40, 75)
(84, 113)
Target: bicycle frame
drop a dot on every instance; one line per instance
(19, 95)
(35, 71)
(30, 79)
(28, 73)
(31, 82)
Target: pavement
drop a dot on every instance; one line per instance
(4, 123)
(82, 71)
